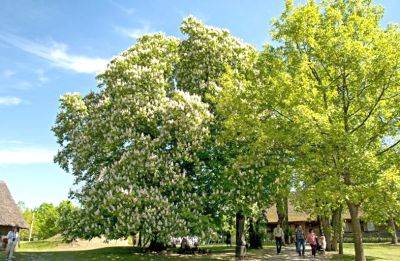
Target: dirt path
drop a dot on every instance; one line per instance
(288, 253)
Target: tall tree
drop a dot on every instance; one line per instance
(340, 89)
(254, 159)
(207, 56)
(133, 146)
(144, 146)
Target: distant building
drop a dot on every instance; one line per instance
(10, 215)
(308, 221)
(295, 218)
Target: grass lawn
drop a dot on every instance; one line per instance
(373, 251)
(55, 250)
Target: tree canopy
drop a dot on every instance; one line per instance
(183, 132)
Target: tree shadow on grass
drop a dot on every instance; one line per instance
(129, 253)
(116, 253)
(351, 257)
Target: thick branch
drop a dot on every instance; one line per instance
(388, 148)
(371, 110)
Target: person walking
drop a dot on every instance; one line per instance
(300, 240)
(322, 242)
(278, 234)
(13, 240)
(312, 240)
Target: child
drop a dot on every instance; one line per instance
(322, 242)
(312, 240)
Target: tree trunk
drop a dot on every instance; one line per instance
(282, 213)
(156, 245)
(341, 252)
(357, 232)
(337, 228)
(140, 239)
(240, 238)
(133, 236)
(286, 221)
(392, 226)
(228, 240)
(254, 235)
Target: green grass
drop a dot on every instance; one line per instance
(54, 250)
(372, 251)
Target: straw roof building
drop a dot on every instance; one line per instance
(10, 215)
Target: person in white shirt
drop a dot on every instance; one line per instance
(322, 242)
(278, 234)
(13, 240)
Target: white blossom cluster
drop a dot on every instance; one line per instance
(135, 145)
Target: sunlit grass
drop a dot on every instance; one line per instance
(56, 250)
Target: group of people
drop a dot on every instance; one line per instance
(316, 243)
(11, 241)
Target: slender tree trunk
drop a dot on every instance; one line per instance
(282, 212)
(341, 252)
(140, 239)
(228, 240)
(337, 224)
(240, 237)
(357, 232)
(133, 236)
(254, 235)
(286, 221)
(392, 226)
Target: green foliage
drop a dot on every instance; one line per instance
(68, 223)
(27, 215)
(138, 167)
(183, 133)
(384, 203)
(48, 219)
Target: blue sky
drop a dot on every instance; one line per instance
(48, 48)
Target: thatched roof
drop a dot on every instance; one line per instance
(10, 215)
(297, 215)
(294, 215)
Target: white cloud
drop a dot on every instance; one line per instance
(134, 33)
(9, 100)
(57, 54)
(27, 155)
(7, 73)
(5, 141)
(41, 76)
(122, 8)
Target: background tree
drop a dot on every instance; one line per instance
(383, 205)
(252, 170)
(46, 221)
(69, 224)
(27, 214)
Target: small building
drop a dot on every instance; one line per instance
(307, 221)
(295, 218)
(10, 215)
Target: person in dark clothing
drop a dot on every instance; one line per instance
(300, 240)
(278, 234)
